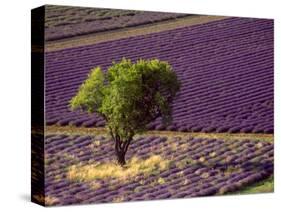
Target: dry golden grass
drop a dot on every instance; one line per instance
(70, 130)
(118, 199)
(95, 185)
(107, 170)
(161, 180)
(50, 200)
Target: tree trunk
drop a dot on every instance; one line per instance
(121, 149)
(121, 158)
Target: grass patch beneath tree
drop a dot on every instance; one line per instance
(134, 167)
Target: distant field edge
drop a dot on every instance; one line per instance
(110, 35)
(71, 130)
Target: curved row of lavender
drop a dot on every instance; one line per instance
(226, 70)
(227, 166)
(64, 21)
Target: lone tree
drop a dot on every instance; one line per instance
(128, 96)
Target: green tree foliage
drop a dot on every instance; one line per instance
(128, 96)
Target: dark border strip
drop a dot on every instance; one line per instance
(37, 106)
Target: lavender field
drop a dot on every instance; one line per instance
(197, 167)
(225, 67)
(64, 22)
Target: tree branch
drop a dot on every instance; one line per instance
(127, 145)
(118, 142)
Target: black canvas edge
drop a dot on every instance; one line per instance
(37, 106)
